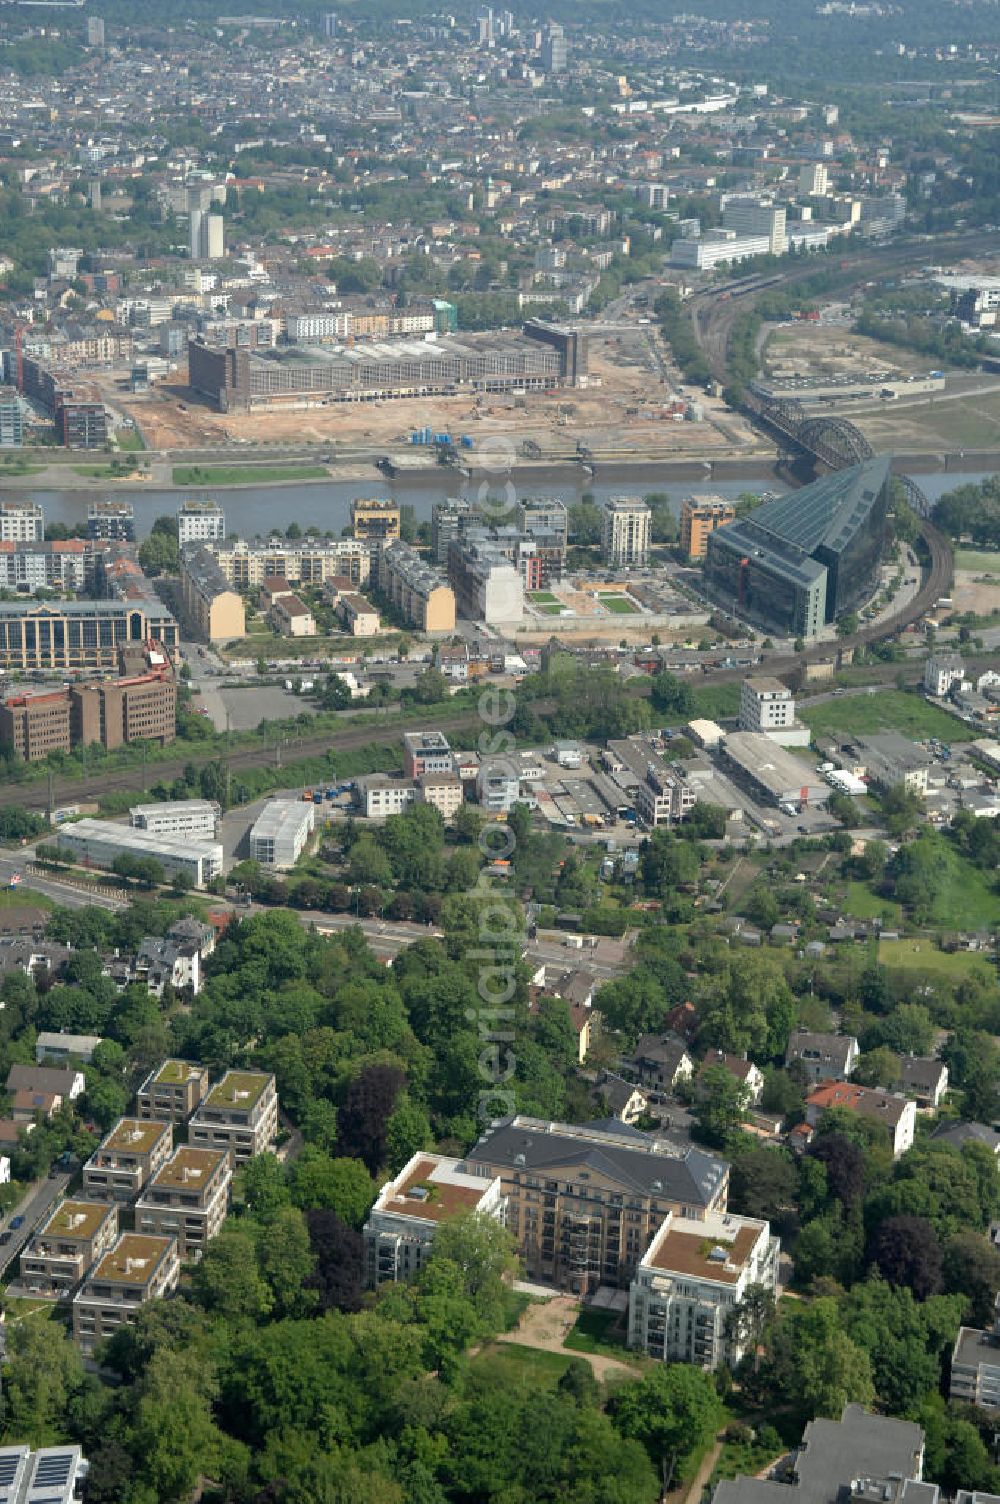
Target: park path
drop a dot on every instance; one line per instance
(546, 1327)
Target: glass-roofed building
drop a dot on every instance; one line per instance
(807, 558)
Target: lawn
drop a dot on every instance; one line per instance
(23, 897)
(922, 955)
(712, 701)
(620, 605)
(861, 903)
(539, 1368)
(554, 610)
(245, 475)
(542, 597)
(598, 1332)
(888, 710)
(979, 561)
(130, 441)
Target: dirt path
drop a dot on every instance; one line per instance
(546, 1327)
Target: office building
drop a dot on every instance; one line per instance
(756, 216)
(330, 25)
(136, 1270)
(583, 1203)
(240, 1113)
(765, 704)
(97, 843)
(21, 522)
(172, 817)
(444, 791)
(888, 759)
(281, 832)
(375, 520)
(804, 560)
(426, 752)
(52, 1475)
(625, 532)
(34, 725)
(487, 586)
(554, 50)
(95, 31)
(942, 672)
(11, 419)
(127, 1157)
(70, 1240)
(172, 1091)
(814, 180)
(417, 591)
(399, 1232)
(111, 521)
(59, 635)
(206, 237)
(200, 522)
(301, 561)
(717, 248)
(378, 796)
(774, 775)
(216, 611)
(688, 1283)
(975, 1366)
(187, 1199)
(117, 712)
(498, 785)
(700, 516)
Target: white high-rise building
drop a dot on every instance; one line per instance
(207, 236)
(814, 180)
(330, 25)
(757, 216)
(765, 704)
(21, 522)
(625, 532)
(554, 50)
(95, 31)
(199, 522)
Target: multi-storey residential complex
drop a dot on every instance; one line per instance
(583, 1203)
(449, 519)
(82, 425)
(172, 1091)
(127, 1157)
(61, 635)
(34, 725)
(975, 1365)
(98, 843)
(52, 1475)
(71, 1239)
(358, 615)
(700, 516)
(300, 561)
(542, 514)
(187, 1199)
(136, 1270)
(400, 1229)
(416, 590)
(11, 419)
(200, 522)
(174, 817)
(689, 1281)
(626, 532)
(240, 1113)
(65, 565)
(375, 520)
(216, 610)
(281, 832)
(426, 752)
(21, 522)
(487, 586)
(111, 521)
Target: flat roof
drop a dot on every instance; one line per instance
(189, 1167)
(132, 1260)
(717, 1249)
(238, 1089)
(176, 1073)
(281, 817)
(174, 806)
(433, 1189)
(77, 1219)
(146, 842)
(136, 1135)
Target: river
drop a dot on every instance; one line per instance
(326, 505)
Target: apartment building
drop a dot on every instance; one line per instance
(73, 1237)
(975, 1366)
(871, 1459)
(21, 522)
(292, 617)
(359, 616)
(240, 1113)
(215, 609)
(418, 592)
(187, 1199)
(172, 1091)
(375, 520)
(379, 796)
(700, 516)
(690, 1280)
(72, 635)
(401, 1226)
(11, 418)
(81, 425)
(442, 790)
(488, 586)
(449, 519)
(426, 752)
(200, 522)
(34, 725)
(498, 786)
(822, 1057)
(65, 565)
(111, 521)
(542, 514)
(583, 1203)
(896, 1114)
(302, 561)
(126, 1159)
(626, 532)
(136, 1270)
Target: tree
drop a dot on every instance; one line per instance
(672, 696)
(264, 1187)
(431, 687)
(720, 1105)
(906, 1251)
(483, 1252)
(971, 1267)
(762, 1183)
(338, 1273)
(365, 1111)
(747, 1320)
(340, 1185)
(814, 1364)
(228, 1279)
(844, 1162)
(43, 1376)
(674, 1412)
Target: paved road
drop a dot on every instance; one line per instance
(34, 1208)
(61, 893)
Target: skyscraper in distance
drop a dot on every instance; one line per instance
(554, 51)
(330, 25)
